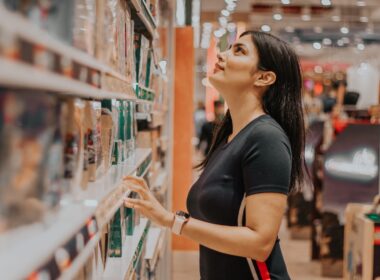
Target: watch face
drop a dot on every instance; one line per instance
(182, 214)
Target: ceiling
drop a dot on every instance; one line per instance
(360, 17)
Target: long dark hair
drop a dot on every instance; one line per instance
(282, 101)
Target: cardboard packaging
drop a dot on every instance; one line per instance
(362, 243)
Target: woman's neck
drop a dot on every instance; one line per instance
(244, 108)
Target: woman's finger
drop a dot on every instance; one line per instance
(140, 190)
(138, 180)
(135, 202)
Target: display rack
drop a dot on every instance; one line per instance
(144, 19)
(31, 246)
(26, 250)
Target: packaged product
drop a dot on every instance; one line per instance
(84, 25)
(28, 132)
(110, 46)
(144, 55)
(103, 244)
(90, 120)
(55, 16)
(72, 119)
(129, 55)
(116, 235)
(107, 133)
(122, 125)
(138, 54)
(116, 141)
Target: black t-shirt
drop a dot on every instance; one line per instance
(257, 160)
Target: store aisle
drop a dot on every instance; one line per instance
(296, 252)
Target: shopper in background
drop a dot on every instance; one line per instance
(256, 159)
(208, 128)
(199, 118)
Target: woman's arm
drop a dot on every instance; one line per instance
(264, 213)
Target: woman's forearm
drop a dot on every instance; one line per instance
(233, 240)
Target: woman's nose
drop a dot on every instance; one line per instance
(221, 56)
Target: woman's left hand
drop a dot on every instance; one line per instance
(147, 204)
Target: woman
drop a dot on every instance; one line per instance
(237, 204)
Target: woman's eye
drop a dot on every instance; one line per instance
(239, 50)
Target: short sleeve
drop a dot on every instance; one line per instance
(267, 161)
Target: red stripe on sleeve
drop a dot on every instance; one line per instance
(264, 273)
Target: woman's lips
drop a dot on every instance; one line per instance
(218, 68)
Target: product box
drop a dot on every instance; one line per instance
(107, 133)
(362, 243)
(117, 234)
(29, 130)
(93, 111)
(331, 245)
(84, 31)
(55, 16)
(72, 119)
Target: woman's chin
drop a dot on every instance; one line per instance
(215, 81)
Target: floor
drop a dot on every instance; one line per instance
(296, 254)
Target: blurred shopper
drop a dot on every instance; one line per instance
(255, 160)
(199, 118)
(208, 128)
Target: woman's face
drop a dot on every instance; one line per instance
(236, 67)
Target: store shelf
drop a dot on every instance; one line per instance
(130, 253)
(18, 74)
(144, 18)
(160, 185)
(80, 261)
(154, 244)
(25, 249)
(14, 73)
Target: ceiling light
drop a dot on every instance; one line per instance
(326, 2)
(317, 45)
(326, 41)
(219, 32)
(363, 19)
(285, 2)
(318, 69)
(360, 47)
(360, 3)
(207, 25)
(318, 29)
(277, 17)
(225, 13)
(289, 29)
(223, 21)
(306, 14)
(231, 27)
(231, 7)
(266, 28)
(344, 30)
(340, 43)
(335, 18)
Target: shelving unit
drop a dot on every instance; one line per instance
(31, 246)
(27, 250)
(144, 18)
(14, 73)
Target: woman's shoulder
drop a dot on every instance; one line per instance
(266, 128)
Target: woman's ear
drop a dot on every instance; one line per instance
(265, 78)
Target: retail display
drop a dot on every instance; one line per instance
(362, 242)
(69, 136)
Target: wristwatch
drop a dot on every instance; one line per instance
(180, 219)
